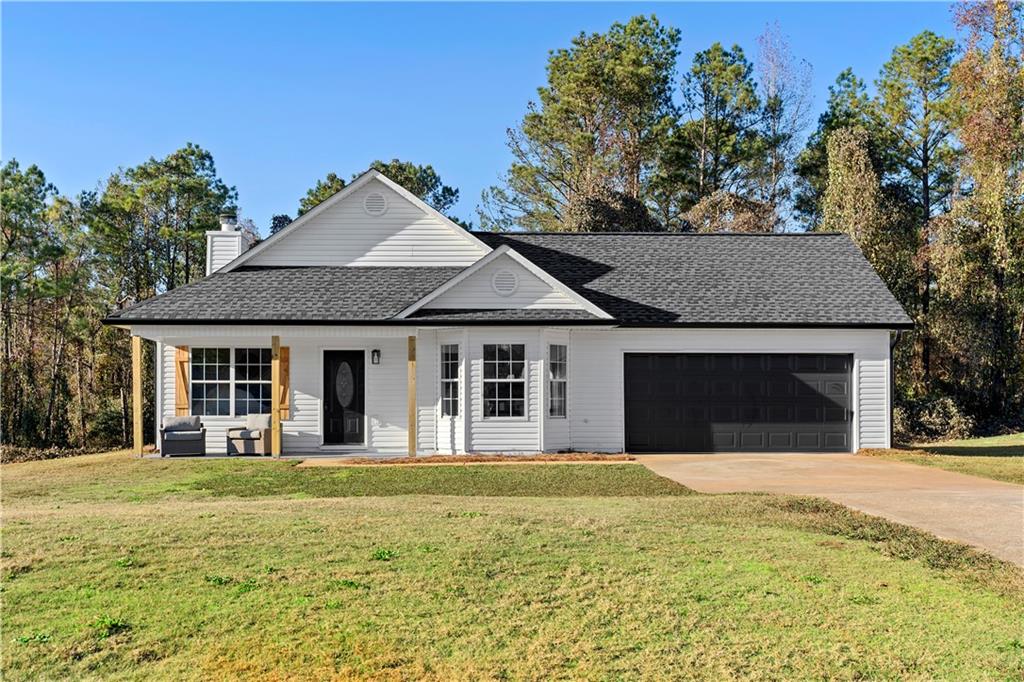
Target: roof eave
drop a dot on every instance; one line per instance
(406, 322)
(353, 323)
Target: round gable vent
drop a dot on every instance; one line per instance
(375, 203)
(505, 282)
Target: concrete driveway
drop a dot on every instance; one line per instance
(977, 511)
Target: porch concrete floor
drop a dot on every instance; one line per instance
(977, 511)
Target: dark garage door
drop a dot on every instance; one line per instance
(714, 402)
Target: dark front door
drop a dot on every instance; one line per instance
(722, 402)
(343, 397)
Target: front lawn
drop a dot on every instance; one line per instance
(130, 569)
(999, 457)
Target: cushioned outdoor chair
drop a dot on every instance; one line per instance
(253, 438)
(182, 436)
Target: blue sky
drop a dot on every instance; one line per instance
(282, 94)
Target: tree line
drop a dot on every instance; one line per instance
(68, 261)
(924, 171)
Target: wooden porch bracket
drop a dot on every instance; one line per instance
(275, 396)
(137, 395)
(412, 396)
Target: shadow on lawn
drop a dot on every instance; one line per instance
(973, 450)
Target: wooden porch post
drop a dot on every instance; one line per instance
(275, 396)
(137, 395)
(412, 396)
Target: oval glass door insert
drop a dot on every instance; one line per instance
(344, 384)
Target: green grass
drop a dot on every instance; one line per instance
(117, 477)
(999, 457)
(129, 569)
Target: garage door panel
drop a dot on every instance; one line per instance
(752, 440)
(810, 441)
(836, 388)
(724, 440)
(737, 402)
(836, 415)
(839, 441)
(694, 388)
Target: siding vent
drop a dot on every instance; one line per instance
(505, 282)
(375, 204)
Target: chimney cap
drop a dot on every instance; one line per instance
(228, 222)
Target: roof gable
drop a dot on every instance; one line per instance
(707, 280)
(504, 280)
(347, 229)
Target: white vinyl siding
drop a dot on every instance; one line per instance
(222, 248)
(873, 401)
(476, 291)
(427, 392)
(595, 389)
(596, 373)
(556, 434)
(344, 234)
(509, 434)
(386, 397)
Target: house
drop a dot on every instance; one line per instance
(373, 324)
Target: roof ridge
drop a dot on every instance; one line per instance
(662, 234)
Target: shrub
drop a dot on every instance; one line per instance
(106, 429)
(931, 419)
(11, 454)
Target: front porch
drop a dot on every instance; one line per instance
(329, 391)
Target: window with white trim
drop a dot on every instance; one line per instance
(450, 380)
(211, 381)
(504, 380)
(226, 383)
(558, 379)
(252, 381)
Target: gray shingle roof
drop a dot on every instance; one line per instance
(668, 279)
(503, 315)
(655, 280)
(319, 293)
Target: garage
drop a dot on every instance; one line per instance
(738, 402)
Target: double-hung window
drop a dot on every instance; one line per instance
(450, 380)
(505, 380)
(215, 386)
(558, 377)
(211, 381)
(252, 381)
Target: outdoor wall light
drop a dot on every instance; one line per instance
(375, 357)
